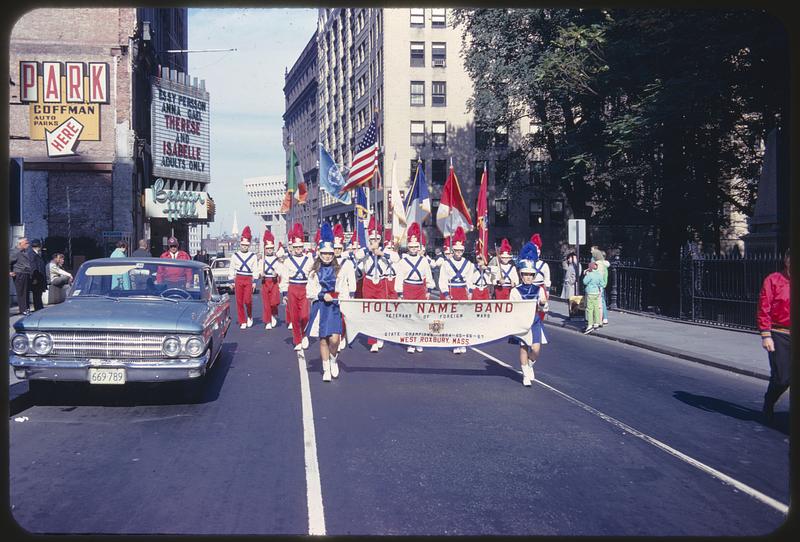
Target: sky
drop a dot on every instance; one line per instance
(246, 92)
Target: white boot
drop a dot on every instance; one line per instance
(268, 325)
(304, 343)
(335, 366)
(419, 349)
(326, 370)
(527, 374)
(273, 322)
(249, 322)
(243, 326)
(380, 343)
(298, 348)
(374, 348)
(290, 326)
(411, 349)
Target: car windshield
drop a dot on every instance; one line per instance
(137, 279)
(220, 264)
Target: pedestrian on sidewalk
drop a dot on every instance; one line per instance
(532, 287)
(775, 324)
(572, 270)
(58, 279)
(38, 274)
(121, 281)
(592, 282)
(143, 251)
(599, 257)
(20, 271)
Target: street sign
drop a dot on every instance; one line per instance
(577, 231)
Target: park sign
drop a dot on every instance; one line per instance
(180, 131)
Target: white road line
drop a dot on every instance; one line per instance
(769, 501)
(316, 511)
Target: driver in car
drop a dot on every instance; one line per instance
(174, 277)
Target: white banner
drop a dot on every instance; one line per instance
(445, 324)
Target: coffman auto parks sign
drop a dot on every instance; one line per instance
(180, 131)
(175, 204)
(438, 323)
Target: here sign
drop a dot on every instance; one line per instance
(576, 229)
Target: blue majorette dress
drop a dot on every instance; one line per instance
(531, 291)
(326, 316)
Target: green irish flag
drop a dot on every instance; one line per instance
(294, 181)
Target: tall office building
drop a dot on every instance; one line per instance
(266, 195)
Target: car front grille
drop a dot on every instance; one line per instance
(110, 345)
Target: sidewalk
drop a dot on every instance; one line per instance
(737, 351)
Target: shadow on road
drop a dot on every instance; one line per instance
(74, 394)
(780, 421)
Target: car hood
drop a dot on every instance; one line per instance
(123, 315)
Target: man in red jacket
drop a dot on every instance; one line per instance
(174, 277)
(775, 324)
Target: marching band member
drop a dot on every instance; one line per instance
(483, 278)
(414, 278)
(505, 274)
(326, 286)
(347, 267)
(456, 277)
(294, 279)
(541, 265)
(391, 257)
(271, 271)
(243, 270)
(373, 267)
(354, 254)
(532, 287)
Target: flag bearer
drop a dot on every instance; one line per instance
(271, 271)
(414, 278)
(483, 279)
(327, 284)
(244, 270)
(347, 267)
(373, 266)
(532, 288)
(505, 274)
(456, 277)
(295, 278)
(391, 257)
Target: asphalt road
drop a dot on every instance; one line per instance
(611, 440)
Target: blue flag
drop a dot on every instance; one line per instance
(418, 200)
(330, 178)
(362, 215)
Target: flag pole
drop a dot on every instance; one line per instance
(377, 170)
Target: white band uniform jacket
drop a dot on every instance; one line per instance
(346, 268)
(244, 264)
(373, 267)
(505, 274)
(390, 258)
(423, 274)
(272, 267)
(446, 274)
(290, 270)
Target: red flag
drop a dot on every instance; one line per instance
(482, 217)
(452, 212)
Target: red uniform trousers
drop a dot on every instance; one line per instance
(243, 290)
(390, 292)
(297, 311)
(370, 290)
(480, 293)
(270, 298)
(502, 292)
(414, 291)
(459, 293)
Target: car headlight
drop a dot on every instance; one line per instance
(42, 344)
(171, 346)
(195, 346)
(19, 343)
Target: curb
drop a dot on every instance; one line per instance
(669, 352)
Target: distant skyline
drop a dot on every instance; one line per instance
(246, 93)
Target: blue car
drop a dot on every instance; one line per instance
(125, 320)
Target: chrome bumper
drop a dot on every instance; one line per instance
(77, 370)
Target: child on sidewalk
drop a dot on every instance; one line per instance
(592, 281)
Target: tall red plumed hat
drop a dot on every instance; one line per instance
(415, 235)
(269, 239)
(505, 248)
(448, 241)
(317, 236)
(388, 240)
(537, 240)
(372, 229)
(247, 234)
(354, 239)
(338, 236)
(459, 238)
(296, 235)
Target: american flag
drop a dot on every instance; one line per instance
(365, 162)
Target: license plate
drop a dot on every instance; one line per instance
(107, 376)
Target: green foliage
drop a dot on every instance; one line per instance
(651, 116)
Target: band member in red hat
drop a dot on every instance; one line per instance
(483, 278)
(541, 266)
(456, 277)
(243, 270)
(295, 278)
(347, 269)
(354, 253)
(505, 274)
(414, 278)
(373, 266)
(391, 257)
(271, 271)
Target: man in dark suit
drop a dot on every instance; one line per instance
(38, 274)
(20, 271)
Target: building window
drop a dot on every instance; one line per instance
(501, 212)
(501, 173)
(438, 93)
(417, 92)
(438, 172)
(439, 133)
(534, 212)
(438, 17)
(417, 54)
(417, 17)
(557, 211)
(483, 136)
(438, 54)
(417, 132)
(501, 136)
(414, 168)
(538, 172)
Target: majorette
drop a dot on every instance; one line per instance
(295, 278)
(346, 268)
(505, 274)
(456, 276)
(373, 267)
(391, 257)
(271, 273)
(326, 286)
(244, 270)
(532, 288)
(414, 278)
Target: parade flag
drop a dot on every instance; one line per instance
(482, 217)
(418, 199)
(398, 209)
(365, 162)
(295, 183)
(362, 215)
(330, 178)
(453, 212)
